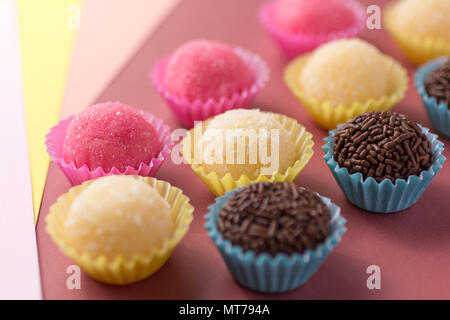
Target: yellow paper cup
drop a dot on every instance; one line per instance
(219, 185)
(327, 115)
(418, 49)
(122, 271)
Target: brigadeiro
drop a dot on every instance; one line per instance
(379, 156)
(109, 138)
(438, 84)
(433, 84)
(203, 78)
(382, 145)
(273, 218)
(274, 236)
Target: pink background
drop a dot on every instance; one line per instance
(411, 247)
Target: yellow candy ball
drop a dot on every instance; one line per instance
(425, 18)
(247, 143)
(344, 72)
(118, 215)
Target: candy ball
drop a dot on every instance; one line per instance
(344, 72)
(249, 141)
(382, 145)
(118, 215)
(312, 16)
(110, 135)
(274, 217)
(437, 84)
(204, 69)
(423, 18)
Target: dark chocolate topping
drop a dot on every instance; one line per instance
(274, 218)
(382, 145)
(437, 84)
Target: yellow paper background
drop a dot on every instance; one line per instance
(47, 34)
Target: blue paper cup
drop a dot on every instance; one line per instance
(439, 114)
(266, 273)
(384, 196)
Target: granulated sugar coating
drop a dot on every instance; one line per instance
(428, 18)
(253, 129)
(274, 218)
(312, 16)
(344, 72)
(204, 69)
(118, 215)
(110, 135)
(382, 145)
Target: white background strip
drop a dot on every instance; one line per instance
(19, 265)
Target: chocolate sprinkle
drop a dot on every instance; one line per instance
(437, 84)
(274, 218)
(382, 145)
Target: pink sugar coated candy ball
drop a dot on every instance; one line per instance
(110, 135)
(312, 16)
(204, 69)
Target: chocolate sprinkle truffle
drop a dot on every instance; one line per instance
(382, 145)
(437, 84)
(274, 218)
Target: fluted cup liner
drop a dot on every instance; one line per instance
(295, 44)
(418, 49)
(384, 196)
(327, 115)
(272, 274)
(187, 112)
(219, 185)
(55, 142)
(439, 114)
(121, 270)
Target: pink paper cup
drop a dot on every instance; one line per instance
(189, 111)
(55, 141)
(295, 44)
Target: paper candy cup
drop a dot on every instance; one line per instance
(418, 49)
(279, 273)
(55, 142)
(189, 111)
(329, 116)
(219, 185)
(295, 44)
(439, 115)
(385, 196)
(122, 270)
